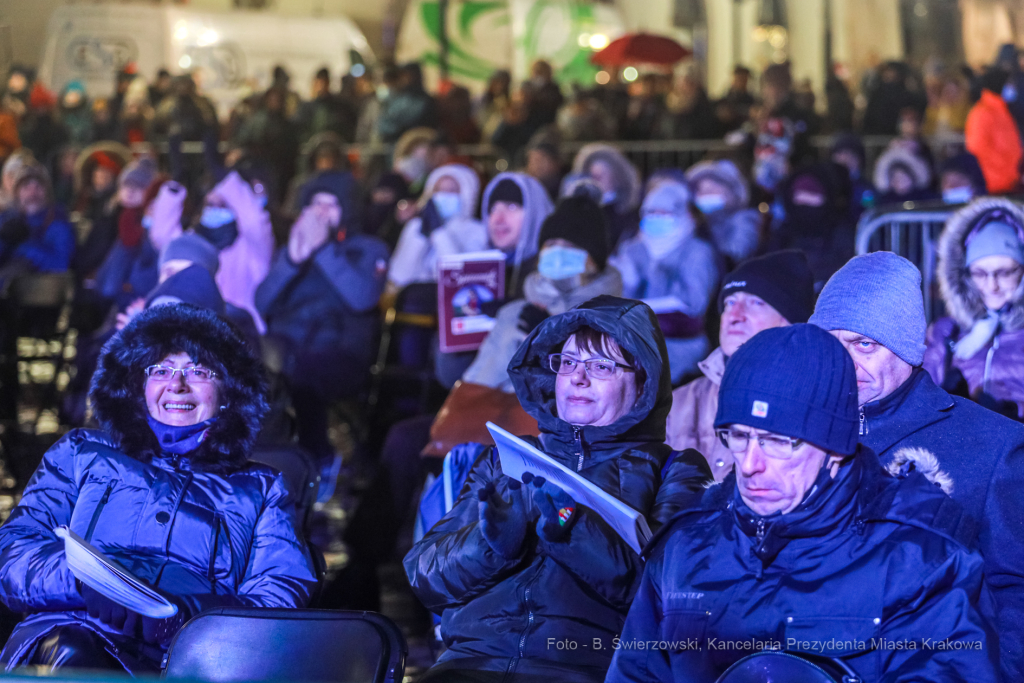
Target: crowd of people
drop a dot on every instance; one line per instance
(826, 472)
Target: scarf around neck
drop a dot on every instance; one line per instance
(180, 440)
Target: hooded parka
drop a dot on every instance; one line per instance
(508, 615)
(208, 527)
(869, 568)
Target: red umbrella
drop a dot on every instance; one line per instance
(641, 48)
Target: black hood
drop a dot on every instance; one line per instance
(634, 326)
(117, 387)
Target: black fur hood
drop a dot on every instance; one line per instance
(117, 387)
(963, 300)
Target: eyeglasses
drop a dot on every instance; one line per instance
(164, 373)
(596, 368)
(774, 446)
(1006, 277)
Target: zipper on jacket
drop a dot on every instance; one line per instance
(863, 423)
(212, 572)
(760, 531)
(577, 435)
(986, 378)
(99, 508)
(522, 637)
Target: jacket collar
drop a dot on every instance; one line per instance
(916, 404)
(713, 366)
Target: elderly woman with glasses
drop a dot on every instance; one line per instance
(165, 489)
(527, 582)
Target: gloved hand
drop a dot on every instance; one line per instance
(103, 608)
(155, 631)
(556, 508)
(531, 316)
(503, 522)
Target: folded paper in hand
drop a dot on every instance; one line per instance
(104, 576)
(517, 457)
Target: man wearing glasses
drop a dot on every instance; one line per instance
(873, 306)
(809, 546)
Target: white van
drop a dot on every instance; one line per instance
(231, 53)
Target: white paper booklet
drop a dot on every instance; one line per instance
(102, 574)
(517, 457)
(665, 304)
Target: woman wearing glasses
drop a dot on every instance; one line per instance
(527, 582)
(165, 489)
(976, 351)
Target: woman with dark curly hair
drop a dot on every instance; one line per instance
(165, 489)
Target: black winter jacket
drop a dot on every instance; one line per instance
(540, 613)
(984, 454)
(869, 568)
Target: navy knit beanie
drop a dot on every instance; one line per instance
(580, 221)
(797, 381)
(781, 279)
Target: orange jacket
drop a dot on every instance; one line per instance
(991, 135)
(9, 140)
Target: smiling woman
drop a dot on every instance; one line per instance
(165, 489)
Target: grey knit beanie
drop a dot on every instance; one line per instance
(877, 295)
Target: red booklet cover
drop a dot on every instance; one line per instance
(464, 283)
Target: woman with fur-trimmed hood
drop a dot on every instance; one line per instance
(981, 342)
(902, 176)
(165, 489)
(621, 187)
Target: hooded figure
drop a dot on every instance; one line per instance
(810, 545)
(445, 226)
(519, 244)
(620, 186)
(565, 278)
(961, 179)
(817, 220)
(668, 259)
(180, 507)
(902, 176)
(75, 114)
(503, 600)
(981, 260)
(722, 195)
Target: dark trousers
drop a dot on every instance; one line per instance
(74, 647)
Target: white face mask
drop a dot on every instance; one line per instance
(448, 204)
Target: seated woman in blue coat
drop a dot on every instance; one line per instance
(165, 489)
(525, 580)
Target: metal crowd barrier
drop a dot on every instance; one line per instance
(912, 231)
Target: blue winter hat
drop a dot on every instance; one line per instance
(796, 381)
(879, 296)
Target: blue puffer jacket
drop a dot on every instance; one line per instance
(208, 527)
(517, 615)
(870, 568)
(984, 454)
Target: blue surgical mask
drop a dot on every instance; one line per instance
(958, 195)
(448, 204)
(561, 263)
(216, 216)
(147, 222)
(658, 224)
(709, 203)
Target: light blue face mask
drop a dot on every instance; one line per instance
(709, 203)
(147, 222)
(658, 224)
(448, 204)
(958, 195)
(216, 216)
(561, 263)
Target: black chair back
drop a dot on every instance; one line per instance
(235, 644)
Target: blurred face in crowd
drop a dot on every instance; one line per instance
(710, 195)
(327, 208)
(505, 224)
(846, 158)
(996, 279)
(32, 196)
(910, 125)
(102, 179)
(321, 86)
(743, 316)
(954, 180)
(179, 402)
(17, 83)
(602, 174)
(540, 165)
(130, 196)
(774, 477)
(879, 371)
(585, 400)
(901, 182)
(326, 161)
(740, 81)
